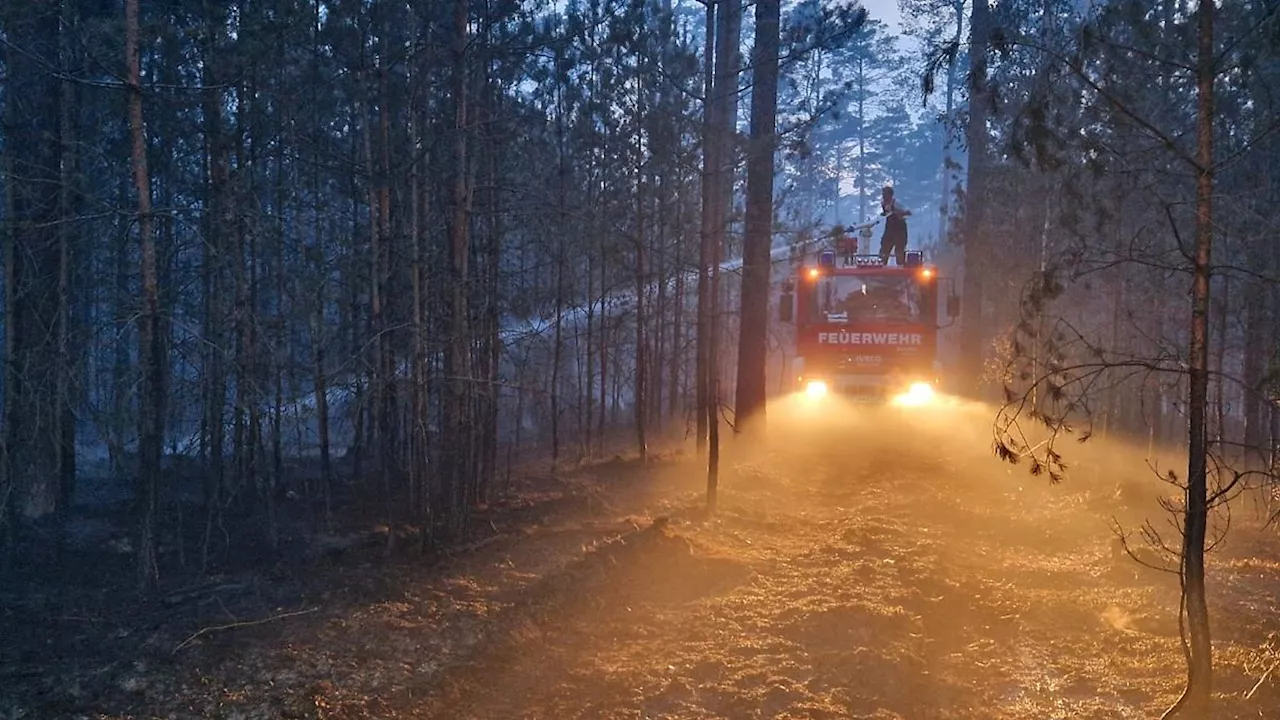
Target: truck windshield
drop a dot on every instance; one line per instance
(845, 299)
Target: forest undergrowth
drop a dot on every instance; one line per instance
(872, 566)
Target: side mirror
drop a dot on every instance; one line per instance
(786, 305)
(953, 306)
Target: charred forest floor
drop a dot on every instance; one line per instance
(877, 566)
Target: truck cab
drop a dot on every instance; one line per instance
(864, 329)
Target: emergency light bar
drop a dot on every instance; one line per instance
(868, 261)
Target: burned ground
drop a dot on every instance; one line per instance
(887, 569)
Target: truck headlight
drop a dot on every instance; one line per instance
(816, 388)
(918, 393)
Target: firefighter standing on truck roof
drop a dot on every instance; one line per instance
(895, 228)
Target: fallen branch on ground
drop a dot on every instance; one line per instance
(247, 623)
(177, 597)
(1265, 675)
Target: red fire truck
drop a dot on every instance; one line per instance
(865, 329)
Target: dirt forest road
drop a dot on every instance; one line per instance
(897, 571)
(873, 566)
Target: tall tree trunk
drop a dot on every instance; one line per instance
(34, 153)
(972, 337)
(607, 310)
(493, 261)
(458, 405)
(713, 442)
(674, 393)
(947, 175)
(754, 324)
(640, 389)
(557, 350)
(351, 322)
(315, 257)
(251, 380)
(281, 349)
(658, 339)
(259, 477)
(319, 336)
(1194, 702)
(417, 375)
(242, 426)
(321, 389)
(603, 355)
(588, 400)
(728, 70)
(382, 272)
(378, 381)
(277, 349)
(64, 407)
(1271, 413)
(1255, 359)
(9, 438)
(728, 30)
(641, 276)
(151, 415)
(217, 220)
(860, 70)
(1218, 434)
(706, 234)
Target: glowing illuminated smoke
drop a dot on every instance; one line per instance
(920, 393)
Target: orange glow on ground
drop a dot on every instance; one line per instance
(871, 562)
